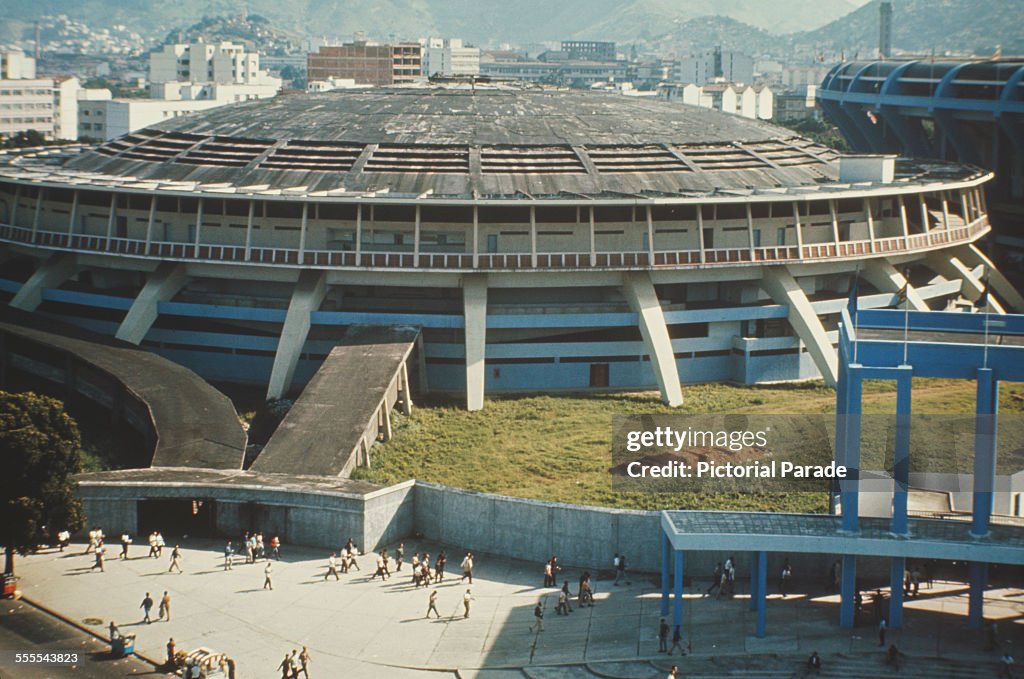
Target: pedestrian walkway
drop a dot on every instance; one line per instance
(356, 627)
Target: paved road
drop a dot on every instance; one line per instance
(25, 628)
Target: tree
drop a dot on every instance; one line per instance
(39, 454)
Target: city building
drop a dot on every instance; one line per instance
(794, 105)
(46, 104)
(561, 72)
(711, 65)
(222, 63)
(448, 56)
(565, 240)
(589, 50)
(968, 110)
(368, 63)
(749, 101)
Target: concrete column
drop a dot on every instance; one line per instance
(871, 222)
(964, 212)
(977, 576)
(57, 269)
(593, 239)
(835, 224)
(666, 573)
(650, 237)
(924, 212)
(750, 231)
(406, 390)
(884, 276)
(780, 285)
(302, 230)
(248, 230)
(945, 211)
(474, 301)
(897, 567)
(306, 298)
(643, 300)
(700, 233)
(476, 236)
(762, 594)
(533, 236)
(150, 222)
(38, 212)
(848, 591)
(72, 215)
(199, 228)
(973, 257)
(14, 208)
(677, 589)
(416, 239)
(949, 266)
(161, 286)
(901, 455)
(985, 437)
(386, 417)
(359, 234)
(111, 216)
(799, 233)
(904, 223)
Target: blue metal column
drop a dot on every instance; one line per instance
(984, 450)
(851, 486)
(842, 385)
(677, 604)
(977, 575)
(762, 589)
(755, 564)
(848, 591)
(897, 569)
(901, 454)
(666, 571)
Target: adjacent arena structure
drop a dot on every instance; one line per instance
(541, 240)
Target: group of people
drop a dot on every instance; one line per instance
(147, 606)
(254, 548)
(295, 664)
(723, 579)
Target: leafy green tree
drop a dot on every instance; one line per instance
(39, 454)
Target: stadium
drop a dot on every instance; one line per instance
(541, 239)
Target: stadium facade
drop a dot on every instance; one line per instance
(543, 240)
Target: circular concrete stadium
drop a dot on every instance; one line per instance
(542, 240)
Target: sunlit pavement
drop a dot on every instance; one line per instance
(363, 628)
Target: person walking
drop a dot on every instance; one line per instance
(814, 663)
(332, 568)
(467, 599)
(620, 569)
(303, 663)
(538, 616)
(146, 606)
(170, 652)
(267, 582)
(677, 640)
(432, 604)
(882, 626)
(165, 607)
(784, 577)
(229, 556)
(467, 568)
(663, 636)
(275, 548)
(562, 608)
(98, 563)
(286, 667)
(716, 579)
(674, 672)
(549, 579)
(175, 559)
(442, 559)
(126, 540)
(399, 555)
(568, 596)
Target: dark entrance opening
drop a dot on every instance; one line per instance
(599, 374)
(195, 518)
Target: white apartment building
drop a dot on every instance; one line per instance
(749, 101)
(448, 56)
(223, 63)
(46, 105)
(16, 65)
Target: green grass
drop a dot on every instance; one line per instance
(559, 448)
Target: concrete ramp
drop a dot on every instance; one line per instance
(346, 407)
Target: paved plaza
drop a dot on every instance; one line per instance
(363, 628)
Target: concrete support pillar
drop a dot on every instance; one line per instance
(762, 594)
(593, 239)
(306, 298)
(666, 573)
(248, 230)
(780, 285)
(57, 269)
(199, 228)
(700, 233)
(974, 257)
(985, 436)
(897, 568)
(405, 389)
(533, 236)
(14, 206)
(161, 286)
(947, 264)
(945, 211)
(476, 236)
(385, 416)
(799, 231)
(905, 224)
(359, 235)
(885, 277)
(870, 217)
(901, 454)
(38, 212)
(677, 589)
(750, 231)
(416, 239)
(150, 221)
(303, 224)
(643, 300)
(474, 303)
(848, 591)
(111, 217)
(977, 576)
(650, 237)
(835, 224)
(72, 216)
